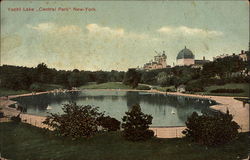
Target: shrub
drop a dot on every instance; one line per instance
(16, 118)
(143, 87)
(170, 90)
(77, 121)
(136, 124)
(1, 114)
(109, 123)
(211, 129)
(195, 86)
(224, 90)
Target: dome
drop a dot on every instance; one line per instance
(185, 54)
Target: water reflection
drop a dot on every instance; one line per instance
(167, 110)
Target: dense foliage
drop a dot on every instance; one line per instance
(223, 70)
(36, 79)
(132, 78)
(211, 129)
(109, 123)
(77, 121)
(136, 124)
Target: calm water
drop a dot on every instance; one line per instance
(166, 110)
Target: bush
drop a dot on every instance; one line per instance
(109, 123)
(143, 87)
(1, 114)
(195, 86)
(211, 129)
(170, 90)
(224, 90)
(16, 118)
(136, 124)
(77, 121)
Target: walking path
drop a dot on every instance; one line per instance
(239, 111)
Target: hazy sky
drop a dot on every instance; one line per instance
(119, 35)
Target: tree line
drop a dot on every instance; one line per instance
(24, 78)
(221, 71)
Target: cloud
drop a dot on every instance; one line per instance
(105, 31)
(43, 27)
(53, 28)
(95, 28)
(10, 42)
(189, 31)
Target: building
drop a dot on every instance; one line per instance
(221, 56)
(185, 57)
(159, 62)
(244, 55)
(200, 63)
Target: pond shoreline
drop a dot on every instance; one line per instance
(239, 110)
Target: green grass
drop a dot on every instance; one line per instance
(8, 92)
(46, 87)
(108, 85)
(163, 89)
(22, 141)
(243, 86)
(49, 87)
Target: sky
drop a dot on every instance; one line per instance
(117, 35)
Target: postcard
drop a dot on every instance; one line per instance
(124, 80)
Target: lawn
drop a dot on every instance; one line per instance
(22, 141)
(46, 87)
(244, 86)
(164, 89)
(108, 85)
(7, 92)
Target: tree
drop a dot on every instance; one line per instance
(195, 86)
(109, 123)
(76, 78)
(42, 73)
(77, 121)
(162, 78)
(132, 78)
(149, 77)
(211, 129)
(101, 77)
(136, 124)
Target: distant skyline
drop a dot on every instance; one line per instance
(117, 35)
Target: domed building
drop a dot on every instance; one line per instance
(185, 57)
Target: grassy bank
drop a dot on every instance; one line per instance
(111, 85)
(164, 89)
(108, 85)
(22, 141)
(7, 92)
(45, 87)
(243, 86)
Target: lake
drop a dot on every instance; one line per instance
(167, 110)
